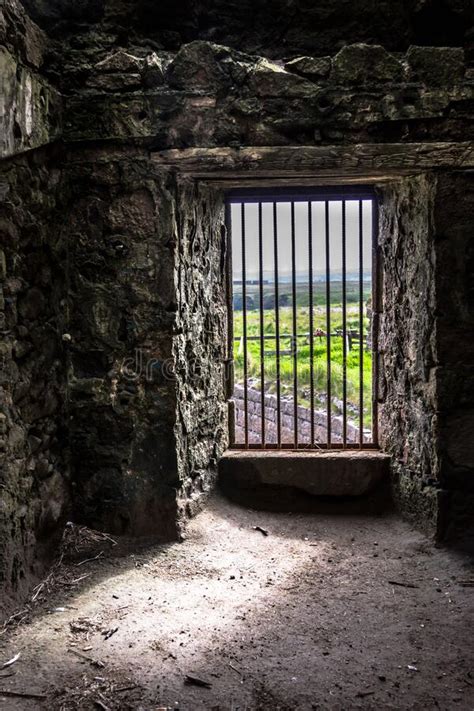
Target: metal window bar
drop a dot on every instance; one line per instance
(325, 239)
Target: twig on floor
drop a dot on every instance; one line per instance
(11, 661)
(94, 662)
(89, 560)
(402, 584)
(263, 531)
(107, 634)
(196, 681)
(22, 694)
(12, 618)
(235, 669)
(75, 581)
(125, 688)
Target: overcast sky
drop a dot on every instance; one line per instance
(301, 233)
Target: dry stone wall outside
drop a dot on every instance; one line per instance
(254, 409)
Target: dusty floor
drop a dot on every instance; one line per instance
(308, 617)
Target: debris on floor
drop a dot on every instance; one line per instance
(222, 622)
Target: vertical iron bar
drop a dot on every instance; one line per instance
(328, 325)
(244, 328)
(295, 323)
(229, 374)
(311, 317)
(361, 325)
(376, 308)
(277, 322)
(262, 340)
(344, 328)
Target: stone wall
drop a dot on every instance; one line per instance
(454, 374)
(408, 394)
(30, 108)
(200, 344)
(207, 95)
(34, 473)
(146, 314)
(121, 237)
(254, 408)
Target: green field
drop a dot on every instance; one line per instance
(320, 366)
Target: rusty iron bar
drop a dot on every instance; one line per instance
(244, 327)
(294, 343)
(277, 321)
(229, 365)
(262, 342)
(344, 326)
(361, 324)
(328, 323)
(376, 307)
(311, 316)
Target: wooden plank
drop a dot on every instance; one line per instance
(373, 160)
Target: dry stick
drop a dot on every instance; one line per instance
(401, 584)
(196, 681)
(22, 694)
(108, 634)
(94, 662)
(235, 669)
(12, 619)
(89, 560)
(11, 661)
(75, 581)
(126, 688)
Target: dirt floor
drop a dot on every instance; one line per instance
(324, 612)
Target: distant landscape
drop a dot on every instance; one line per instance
(285, 311)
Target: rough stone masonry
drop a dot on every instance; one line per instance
(121, 124)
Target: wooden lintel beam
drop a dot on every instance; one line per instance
(309, 161)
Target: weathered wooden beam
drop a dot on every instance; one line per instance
(383, 159)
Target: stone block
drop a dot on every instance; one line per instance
(269, 79)
(196, 67)
(115, 82)
(365, 64)
(311, 67)
(347, 473)
(154, 70)
(120, 62)
(436, 66)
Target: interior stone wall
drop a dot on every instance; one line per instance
(146, 315)
(121, 237)
(207, 95)
(34, 471)
(30, 107)
(454, 374)
(200, 344)
(408, 346)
